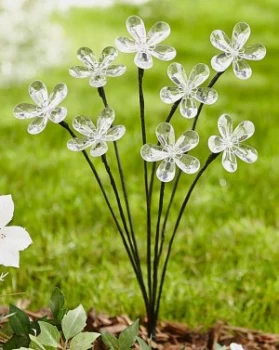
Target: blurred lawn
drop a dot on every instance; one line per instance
(225, 260)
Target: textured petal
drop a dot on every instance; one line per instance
(221, 62)
(84, 125)
(143, 60)
(229, 161)
(177, 74)
(98, 149)
(105, 120)
(165, 134)
(136, 28)
(254, 52)
(220, 40)
(125, 44)
(38, 93)
(16, 238)
(244, 130)
(159, 32)
(242, 69)
(80, 72)
(115, 133)
(108, 55)
(240, 35)
(58, 94)
(164, 52)
(247, 153)
(58, 114)
(216, 144)
(6, 210)
(188, 164)
(78, 144)
(115, 70)
(206, 95)
(198, 75)
(187, 141)
(98, 80)
(225, 125)
(9, 258)
(171, 94)
(87, 57)
(188, 108)
(26, 110)
(166, 170)
(152, 153)
(37, 125)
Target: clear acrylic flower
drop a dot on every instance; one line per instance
(188, 89)
(230, 143)
(234, 51)
(235, 346)
(96, 137)
(146, 45)
(46, 107)
(172, 153)
(97, 70)
(13, 239)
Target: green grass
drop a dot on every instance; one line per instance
(225, 262)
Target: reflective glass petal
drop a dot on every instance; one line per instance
(188, 107)
(187, 141)
(58, 94)
(221, 62)
(198, 75)
(206, 95)
(216, 144)
(143, 60)
(98, 149)
(105, 120)
(177, 74)
(188, 164)
(225, 125)
(115, 70)
(38, 93)
(166, 170)
(26, 110)
(108, 55)
(244, 130)
(152, 153)
(159, 32)
(254, 52)
(58, 114)
(78, 144)
(229, 161)
(220, 40)
(163, 52)
(37, 125)
(165, 134)
(6, 210)
(97, 80)
(87, 57)
(136, 28)
(84, 125)
(240, 35)
(125, 44)
(171, 94)
(247, 153)
(115, 133)
(242, 69)
(80, 72)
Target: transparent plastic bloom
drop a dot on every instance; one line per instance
(96, 137)
(230, 142)
(172, 153)
(146, 45)
(46, 109)
(97, 70)
(188, 89)
(13, 239)
(234, 51)
(234, 346)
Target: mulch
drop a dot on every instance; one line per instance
(175, 335)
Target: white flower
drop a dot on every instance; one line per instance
(144, 45)
(188, 89)
(13, 239)
(96, 137)
(235, 346)
(97, 70)
(172, 153)
(234, 51)
(46, 106)
(230, 142)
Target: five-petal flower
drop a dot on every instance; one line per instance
(97, 70)
(13, 239)
(146, 45)
(187, 89)
(230, 142)
(96, 137)
(234, 51)
(172, 153)
(46, 106)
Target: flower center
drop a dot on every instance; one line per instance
(2, 235)
(170, 149)
(142, 46)
(236, 53)
(231, 142)
(46, 109)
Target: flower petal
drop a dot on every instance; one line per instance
(58, 94)
(78, 144)
(98, 149)
(229, 161)
(125, 44)
(37, 125)
(166, 170)
(216, 144)
(188, 164)
(97, 80)
(105, 120)
(188, 107)
(177, 74)
(6, 210)
(220, 40)
(26, 110)
(244, 130)
(84, 125)
(9, 258)
(159, 32)
(240, 35)
(38, 93)
(152, 153)
(143, 60)
(254, 52)
(165, 134)
(16, 238)
(164, 52)
(115, 70)
(221, 62)
(136, 28)
(247, 153)
(87, 57)
(58, 114)
(206, 95)
(242, 69)
(225, 125)
(115, 133)
(198, 75)
(80, 72)
(108, 55)
(187, 141)
(171, 94)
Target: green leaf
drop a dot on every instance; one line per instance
(83, 341)
(143, 344)
(16, 341)
(57, 301)
(49, 335)
(128, 337)
(36, 344)
(110, 340)
(74, 322)
(19, 321)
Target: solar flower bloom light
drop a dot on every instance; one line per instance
(173, 154)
